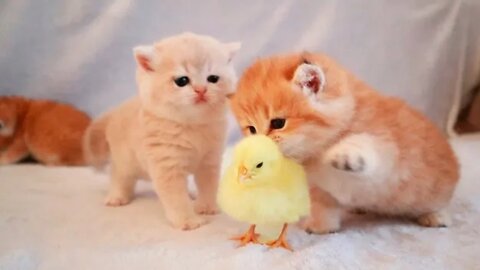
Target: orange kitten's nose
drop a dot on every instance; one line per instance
(200, 89)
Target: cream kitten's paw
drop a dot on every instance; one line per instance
(353, 154)
(205, 208)
(117, 200)
(317, 226)
(188, 222)
(435, 219)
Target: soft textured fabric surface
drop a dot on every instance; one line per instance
(53, 218)
(80, 51)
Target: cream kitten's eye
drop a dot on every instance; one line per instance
(277, 123)
(213, 78)
(182, 81)
(252, 130)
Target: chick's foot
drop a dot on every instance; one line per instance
(249, 237)
(281, 241)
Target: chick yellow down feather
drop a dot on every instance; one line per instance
(263, 187)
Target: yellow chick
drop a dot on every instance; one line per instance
(262, 187)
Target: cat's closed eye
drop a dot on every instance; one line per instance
(277, 123)
(2, 125)
(213, 78)
(182, 81)
(252, 130)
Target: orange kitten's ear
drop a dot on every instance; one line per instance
(232, 49)
(144, 56)
(310, 78)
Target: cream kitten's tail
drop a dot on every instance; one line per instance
(95, 145)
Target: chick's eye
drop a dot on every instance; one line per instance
(277, 123)
(213, 78)
(259, 165)
(182, 81)
(252, 130)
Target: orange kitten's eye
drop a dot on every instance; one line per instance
(1, 125)
(252, 130)
(213, 78)
(277, 123)
(182, 81)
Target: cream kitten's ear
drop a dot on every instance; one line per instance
(144, 56)
(310, 78)
(232, 49)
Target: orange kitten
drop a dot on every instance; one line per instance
(48, 131)
(175, 127)
(361, 149)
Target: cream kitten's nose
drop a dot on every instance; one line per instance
(201, 90)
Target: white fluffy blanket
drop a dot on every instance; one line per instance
(53, 218)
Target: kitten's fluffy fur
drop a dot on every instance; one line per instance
(361, 149)
(49, 131)
(169, 131)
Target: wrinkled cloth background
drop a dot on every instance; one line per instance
(427, 52)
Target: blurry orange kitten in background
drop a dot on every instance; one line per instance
(175, 127)
(49, 131)
(361, 149)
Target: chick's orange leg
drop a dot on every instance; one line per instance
(281, 241)
(249, 237)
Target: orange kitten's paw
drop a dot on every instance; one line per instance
(10, 159)
(346, 159)
(189, 223)
(117, 200)
(353, 154)
(4, 160)
(435, 219)
(317, 226)
(205, 208)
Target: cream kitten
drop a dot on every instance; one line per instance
(176, 126)
(360, 149)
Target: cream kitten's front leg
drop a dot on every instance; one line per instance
(171, 186)
(206, 178)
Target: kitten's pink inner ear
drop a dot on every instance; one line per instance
(144, 56)
(144, 63)
(309, 76)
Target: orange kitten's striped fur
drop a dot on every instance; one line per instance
(177, 126)
(361, 149)
(49, 131)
